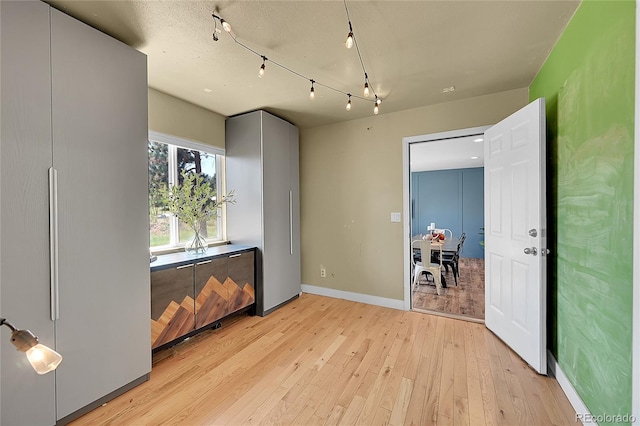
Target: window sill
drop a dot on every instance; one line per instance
(168, 250)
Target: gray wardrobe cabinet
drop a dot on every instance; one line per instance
(75, 101)
(262, 166)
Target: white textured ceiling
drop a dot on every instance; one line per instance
(451, 153)
(411, 50)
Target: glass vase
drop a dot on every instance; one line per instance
(197, 245)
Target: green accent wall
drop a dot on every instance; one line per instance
(588, 83)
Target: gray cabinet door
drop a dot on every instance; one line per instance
(294, 185)
(243, 157)
(99, 120)
(25, 156)
(279, 259)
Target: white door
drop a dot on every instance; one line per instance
(515, 233)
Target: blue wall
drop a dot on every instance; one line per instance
(452, 199)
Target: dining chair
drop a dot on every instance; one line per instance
(435, 269)
(452, 259)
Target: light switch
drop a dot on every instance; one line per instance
(395, 217)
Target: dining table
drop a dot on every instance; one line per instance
(447, 245)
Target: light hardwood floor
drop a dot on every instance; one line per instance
(319, 360)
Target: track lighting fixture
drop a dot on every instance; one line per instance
(349, 42)
(42, 358)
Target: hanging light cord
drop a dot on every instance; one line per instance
(3, 321)
(355, 42)
(284, 67)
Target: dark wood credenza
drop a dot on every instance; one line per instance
(190, 293)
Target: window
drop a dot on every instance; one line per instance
(169, 157)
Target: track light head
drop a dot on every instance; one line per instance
(42, 358)
(349, 42)
(225, 25)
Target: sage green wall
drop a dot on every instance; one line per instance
(351, 180)
(175, 117)
(588, 82)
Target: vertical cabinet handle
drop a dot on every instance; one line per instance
(291, 222)
(53, 242)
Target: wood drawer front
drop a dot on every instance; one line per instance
(212, 294)
(241, 281)
(172, 304)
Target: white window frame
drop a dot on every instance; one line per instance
(174, 143)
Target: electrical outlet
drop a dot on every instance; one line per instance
(323, 273)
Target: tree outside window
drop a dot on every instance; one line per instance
(166, 164)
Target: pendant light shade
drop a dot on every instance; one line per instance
(43, 359)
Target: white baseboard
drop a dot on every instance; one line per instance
(354, 297)
(576, 402)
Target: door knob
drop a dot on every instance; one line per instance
(532, 250)
(533, 233)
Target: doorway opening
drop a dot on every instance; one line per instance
(443, 178)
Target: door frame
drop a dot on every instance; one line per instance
(406, 199)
